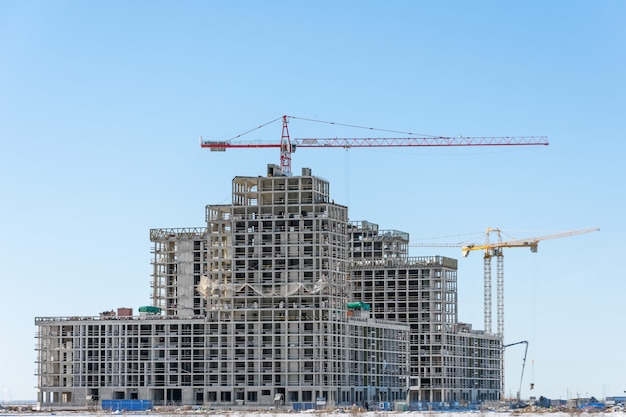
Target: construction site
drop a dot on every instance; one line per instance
(280, 299)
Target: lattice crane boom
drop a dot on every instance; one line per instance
(531, 242)
(288, 146)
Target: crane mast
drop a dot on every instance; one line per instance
(285, 148)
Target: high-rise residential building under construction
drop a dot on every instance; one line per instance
(278, 299)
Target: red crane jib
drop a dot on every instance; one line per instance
(288, 146)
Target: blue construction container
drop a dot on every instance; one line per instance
(127, 405)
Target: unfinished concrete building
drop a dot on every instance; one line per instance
(279, 298)
(255, 308)
(448, 362)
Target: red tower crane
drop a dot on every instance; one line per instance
(288, 146)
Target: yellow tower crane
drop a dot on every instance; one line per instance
(495, 248)
(492, 249)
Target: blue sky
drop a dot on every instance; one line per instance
(102, 104)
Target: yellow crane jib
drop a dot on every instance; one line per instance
(531, 242)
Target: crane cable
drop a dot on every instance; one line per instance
(533, 324)
(253, 129)
(362, 127)
(331, 123)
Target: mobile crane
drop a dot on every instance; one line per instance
(523, 366)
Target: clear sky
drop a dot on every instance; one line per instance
(102, 104)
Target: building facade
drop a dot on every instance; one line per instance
(448, 361)
(279, 298)
(191, 361)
